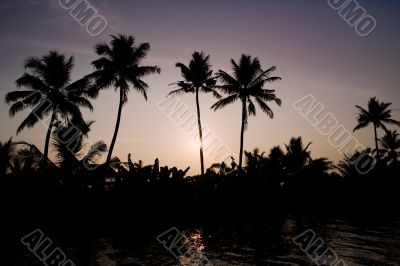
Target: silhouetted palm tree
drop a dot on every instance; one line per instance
(319, 166)
(71, 153)
(276, 156)
(297, 155)
(7, 150)
(198, 78)
(348, 166)
(49, 93)
(27, 158)
(120, 66)
(246, 83)
(391, 143)
(377, 113)
(254, 160)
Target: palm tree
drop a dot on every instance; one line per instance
(319, 166)
(391, 143)
(197, 78)
(49, 93)
(72, 155)
(27, 158)
(246, 83)
(254, 160)
(276, 156)
(7, 150)
(297, 155)
(377, 113)
(348, 166)
(119, 66)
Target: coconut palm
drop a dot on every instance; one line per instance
(379, 115)
(254, 160)
(120, 66)
(348, 167)
(198, 78)
(297, 155)
(391, 143)
(319, 166)
(247, 83)
(71, 153)
(27, 158)
(49, 94)
(276, 156)
(7, 150)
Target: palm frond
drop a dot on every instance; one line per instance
(225, 101)
(264, 107)
(230, 82)
(95, 152)
(361, 125)
(251, 108)
(391, 122)
(18, 95)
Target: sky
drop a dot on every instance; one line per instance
(315, 51)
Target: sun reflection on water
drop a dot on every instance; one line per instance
(197, 240)
(195, 246)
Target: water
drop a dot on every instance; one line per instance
(373, 241)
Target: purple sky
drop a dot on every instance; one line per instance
(315, 50)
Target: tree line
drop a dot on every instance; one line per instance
(289, 173)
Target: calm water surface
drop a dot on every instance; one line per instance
(357, 242)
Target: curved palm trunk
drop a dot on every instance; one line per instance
(242, 133)
(200, 131)
(376, 143)
(47, 141)
(116, 127)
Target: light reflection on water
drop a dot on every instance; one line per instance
(356, 242)
(196, 239)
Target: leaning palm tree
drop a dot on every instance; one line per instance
(120, 66)
(377, 113)
(391, 143)
(49, 94)
(198, 77)
(247, 82)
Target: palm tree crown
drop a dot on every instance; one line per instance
(72, 155)
(378, 114)
(7, 150)
(49, 93)
(297, 155)
(119, 66)
(198, 77)
(391, 143)
(247, 84)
